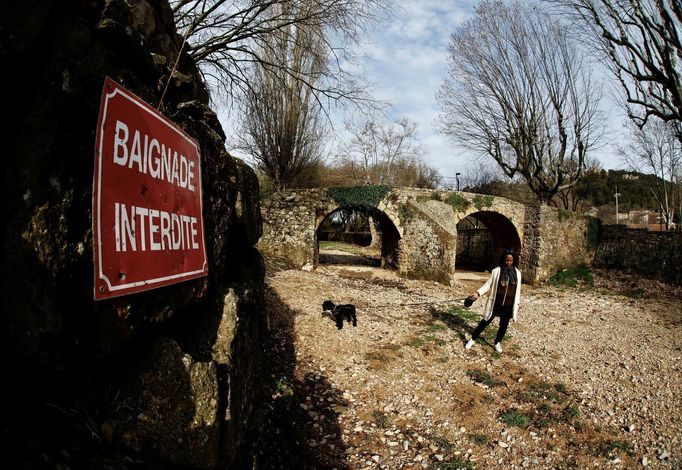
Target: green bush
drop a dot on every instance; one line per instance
(481, 202)
(360, 197)
(458, 203)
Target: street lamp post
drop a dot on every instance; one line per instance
(616, 196)
(457, 178)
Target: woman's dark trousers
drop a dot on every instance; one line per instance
(505, 314)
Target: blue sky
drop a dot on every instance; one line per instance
(405, 60)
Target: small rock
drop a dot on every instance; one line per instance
(504, 445)
(376, 458)
(645, 461)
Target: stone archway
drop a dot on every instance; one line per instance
(480, 245)
(422, 239)
(388, 233)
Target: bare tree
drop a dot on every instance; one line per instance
(656, 149)
(282, 123)
(642, 43)
(519, 91)
(378, 152)
(227, 38)
(572, 197)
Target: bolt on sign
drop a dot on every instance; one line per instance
(146, 208)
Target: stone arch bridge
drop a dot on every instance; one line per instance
(419, 229)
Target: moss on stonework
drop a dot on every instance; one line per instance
(458, 203)
(404, 213)
(362, 197)
(423, 199)
(481, 202)
(593, 232)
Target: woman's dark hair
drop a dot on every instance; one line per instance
(503, 257)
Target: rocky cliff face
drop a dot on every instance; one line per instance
(167, 372)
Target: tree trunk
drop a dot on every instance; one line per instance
(376, 235)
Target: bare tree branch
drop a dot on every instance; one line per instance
(228, 38)
(520, 92)
(655, 149)
(641, 42)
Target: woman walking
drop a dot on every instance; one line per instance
(505, 292)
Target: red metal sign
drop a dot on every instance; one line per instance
(146, 206)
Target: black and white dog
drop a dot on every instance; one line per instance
(340, 313)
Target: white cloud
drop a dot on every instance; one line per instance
(406, 61)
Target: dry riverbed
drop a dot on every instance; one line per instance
(590, 377)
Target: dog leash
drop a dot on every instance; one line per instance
(413, 304)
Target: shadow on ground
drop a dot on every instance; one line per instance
(350, 259)
(298, 425)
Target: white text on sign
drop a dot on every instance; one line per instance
(152, 157)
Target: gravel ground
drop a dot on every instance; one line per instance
(589, 376)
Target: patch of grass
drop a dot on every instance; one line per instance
(434, 328)
(423, 198)
(417, 343)
(436, 341)
(455, 317)
(572, 277)
(514, 418)
(464, 313)
(483, 377)
(456, 464)
(282, 388)
(443, 443)
(381, 419)
(556, 393)
(609, 446)
(570, 414)
(480, 439)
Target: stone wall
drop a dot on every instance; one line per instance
(656, 255)
(290, 220)
(562, 242)
(170, 373)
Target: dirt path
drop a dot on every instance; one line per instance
(588, 377)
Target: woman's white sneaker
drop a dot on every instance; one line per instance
(469, 344)
(498, 347)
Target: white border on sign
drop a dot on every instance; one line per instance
(102, 276)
